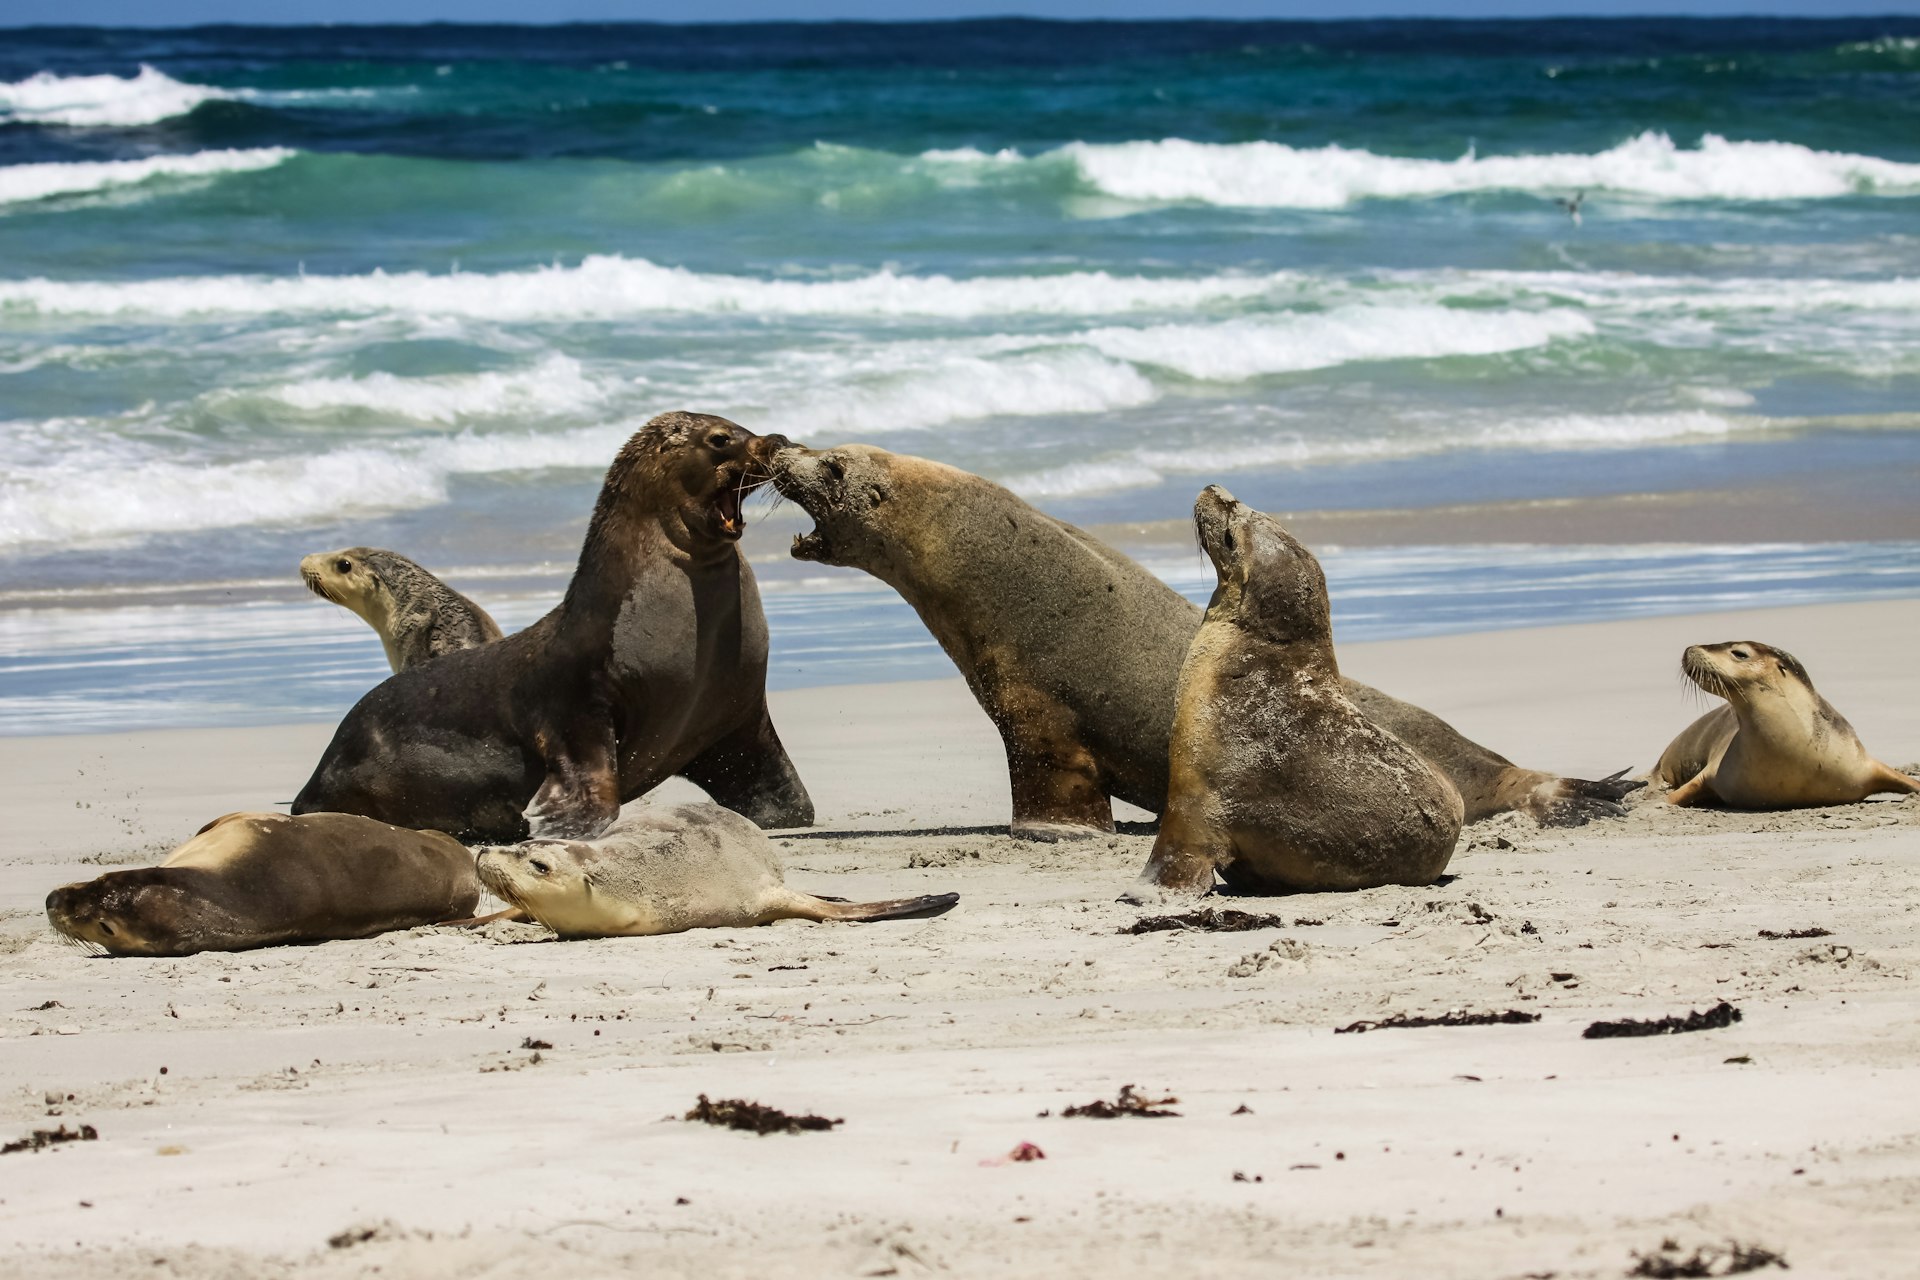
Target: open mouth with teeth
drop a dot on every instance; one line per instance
(730, 498)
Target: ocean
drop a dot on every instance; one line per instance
(266, 291)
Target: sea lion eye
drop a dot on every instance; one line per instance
(343, 566)
(1226, 539)
(1742, 654)
(834, 469)
(720, 439)
(539, 868)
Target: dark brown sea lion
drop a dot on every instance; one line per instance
(1073, 649)
(1776, 744)
(653, 664)
(667, 869)
(1278, 781)
(416, 615)
(260, 879)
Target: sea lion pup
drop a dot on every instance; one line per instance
(1776, 744)
(260, 879)
(653, 664)
(1074, 650)
(1278, 780)
(416, 615)
(667, 870)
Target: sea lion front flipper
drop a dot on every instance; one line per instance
(581, 795)
(748, 772)
(1058, 791)
(1693, 791)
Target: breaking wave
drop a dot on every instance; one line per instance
(147, 97)
(24, 182)
(1273, 175)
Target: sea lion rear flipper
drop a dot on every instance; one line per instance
(932, 904)
(1692, 791)
(580, 797)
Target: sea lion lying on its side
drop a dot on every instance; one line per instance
(260, 879)
(1279, 782)
(1776, 744)
(667, 870)
(416, 615)
(1073, 649)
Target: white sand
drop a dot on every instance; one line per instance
(312, 1090)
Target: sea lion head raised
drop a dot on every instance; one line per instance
(351, 578)
(144, 911)
(1270, 585)
(1735, 669)
(851, 491)
(693, 468)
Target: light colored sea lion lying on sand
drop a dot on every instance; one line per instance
(1776, 744)
(667, 870)
(260, 879)
(1279, 782)
(416, 615)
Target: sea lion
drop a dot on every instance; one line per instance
(1278, 781)
(416, 615)
(1073, 649)
(261, 879)
(653, 664)
(1776, 744)
(667, 870)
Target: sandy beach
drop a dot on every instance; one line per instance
(393, 1105)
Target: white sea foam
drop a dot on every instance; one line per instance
(556, 385)
(604, 288)
(963, 387)
(1274, 175)
(1236, 350)
(1145, 467)
(102, 101)
(22, 182)
(118, 489)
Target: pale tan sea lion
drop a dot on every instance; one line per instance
(1073, 649)
(260, 879)
(653, 665)
(416, 615)
(1278, 781)
(666, 870)
(1776, 744)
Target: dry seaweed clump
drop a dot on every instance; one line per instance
(754, 1117)
(1732, 1259)
(1722, 1015)
(1207, 920)
(1458, 1018)
(41, 1139)
(1129, 1103)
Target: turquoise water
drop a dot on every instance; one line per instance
(270, 291)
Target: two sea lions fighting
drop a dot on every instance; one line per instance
(1074, 650)
(1776, 744)
(261, 879)
(653, 665)
(416, 615)
(1278, 781)
(667, 870)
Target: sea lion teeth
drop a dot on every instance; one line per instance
(1787, 748)
(260, 879)
(665, 870)
(654, 664)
